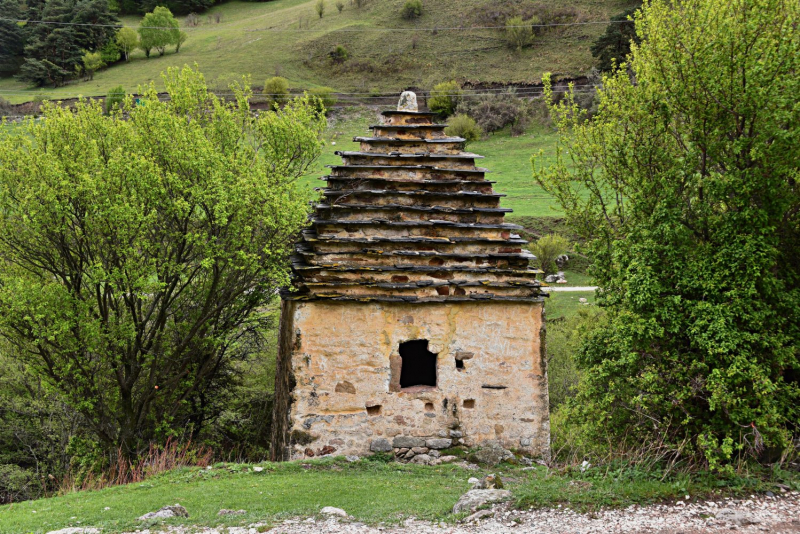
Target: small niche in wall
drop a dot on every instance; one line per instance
(374, 410)
(469, 403)
(429, 407)
(460, 365)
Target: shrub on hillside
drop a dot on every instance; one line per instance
(462, 125)
(496, 111)
(339, 5)
(412, 9)
(518, 33)
(319, 8)
(444, 98)
(276, 91)
(323, 98)
(339, 54)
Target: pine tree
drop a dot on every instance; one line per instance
(12, 39)
(615, 43)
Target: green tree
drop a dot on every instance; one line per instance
(137, 255)
(339, 5)
(92, 61)
(12, 38)
(444, 98)
(54, 52)
(615, 44)
(127, 40)
(323, 98)
(319, 7)
(276, 90)
(685, 185)
(182, 36)
(157, 30)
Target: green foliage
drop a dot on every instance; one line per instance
(12, 38)
(165, 234)
(412, 9)
(614, 45)
(564, 339)
(444, 98)
(127, 40)
(339, 5)
(462, 125)
(518, 33)
(276, 89)
(339, 54)
(319, 8)
(92, 61)
(323, 98)
(182, 36)
(547, 249)
(693, 224)
(114, 99)
(157, 30)
(53, 57)
(110, 53)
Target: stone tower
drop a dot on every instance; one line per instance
(416, 319)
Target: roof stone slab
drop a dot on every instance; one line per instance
(410, 218)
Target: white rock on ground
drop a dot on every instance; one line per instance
(331, 510)
(166, 512)
(75, 530)
(478, 497)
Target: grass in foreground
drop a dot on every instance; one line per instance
(566, 304)
(371, 491)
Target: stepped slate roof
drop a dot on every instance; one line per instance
(410, 218)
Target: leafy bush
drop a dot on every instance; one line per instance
(110, 53)
(463, 126)
(518, 33)
(114, 99)
(319, 7)
(92, 61)
(547, 248)
(444, 98)
(412, 9)
(339, 54)
(694, 245)
(495, 111)
(339, 5)
(323, 98)
(276, 90)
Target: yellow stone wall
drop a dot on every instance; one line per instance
(343, 356)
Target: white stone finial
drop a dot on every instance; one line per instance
(408, 102)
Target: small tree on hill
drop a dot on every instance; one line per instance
(276, 90)
(127, 40)
(92, 61)
(547, 248)
(158, 30)
(412, 9)
(519, 33)
(137, 255)
(319, 7)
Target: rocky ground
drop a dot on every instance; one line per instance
(771, 513)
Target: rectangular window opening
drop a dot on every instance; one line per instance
(374, 410)
(418, 364)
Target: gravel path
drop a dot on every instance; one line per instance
(570, 288)
(776, 514)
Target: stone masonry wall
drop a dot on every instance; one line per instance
(345, 396)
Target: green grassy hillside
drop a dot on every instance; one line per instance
(286, 37)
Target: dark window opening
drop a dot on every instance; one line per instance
(469, 403)
(374, 410)
(418, 364)
(428, 406)
(459, 364)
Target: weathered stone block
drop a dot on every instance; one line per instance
(380, 445)
(407, 442)
(439, 443)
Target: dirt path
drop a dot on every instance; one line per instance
(773, 514)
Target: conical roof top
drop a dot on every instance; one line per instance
(409, 217)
